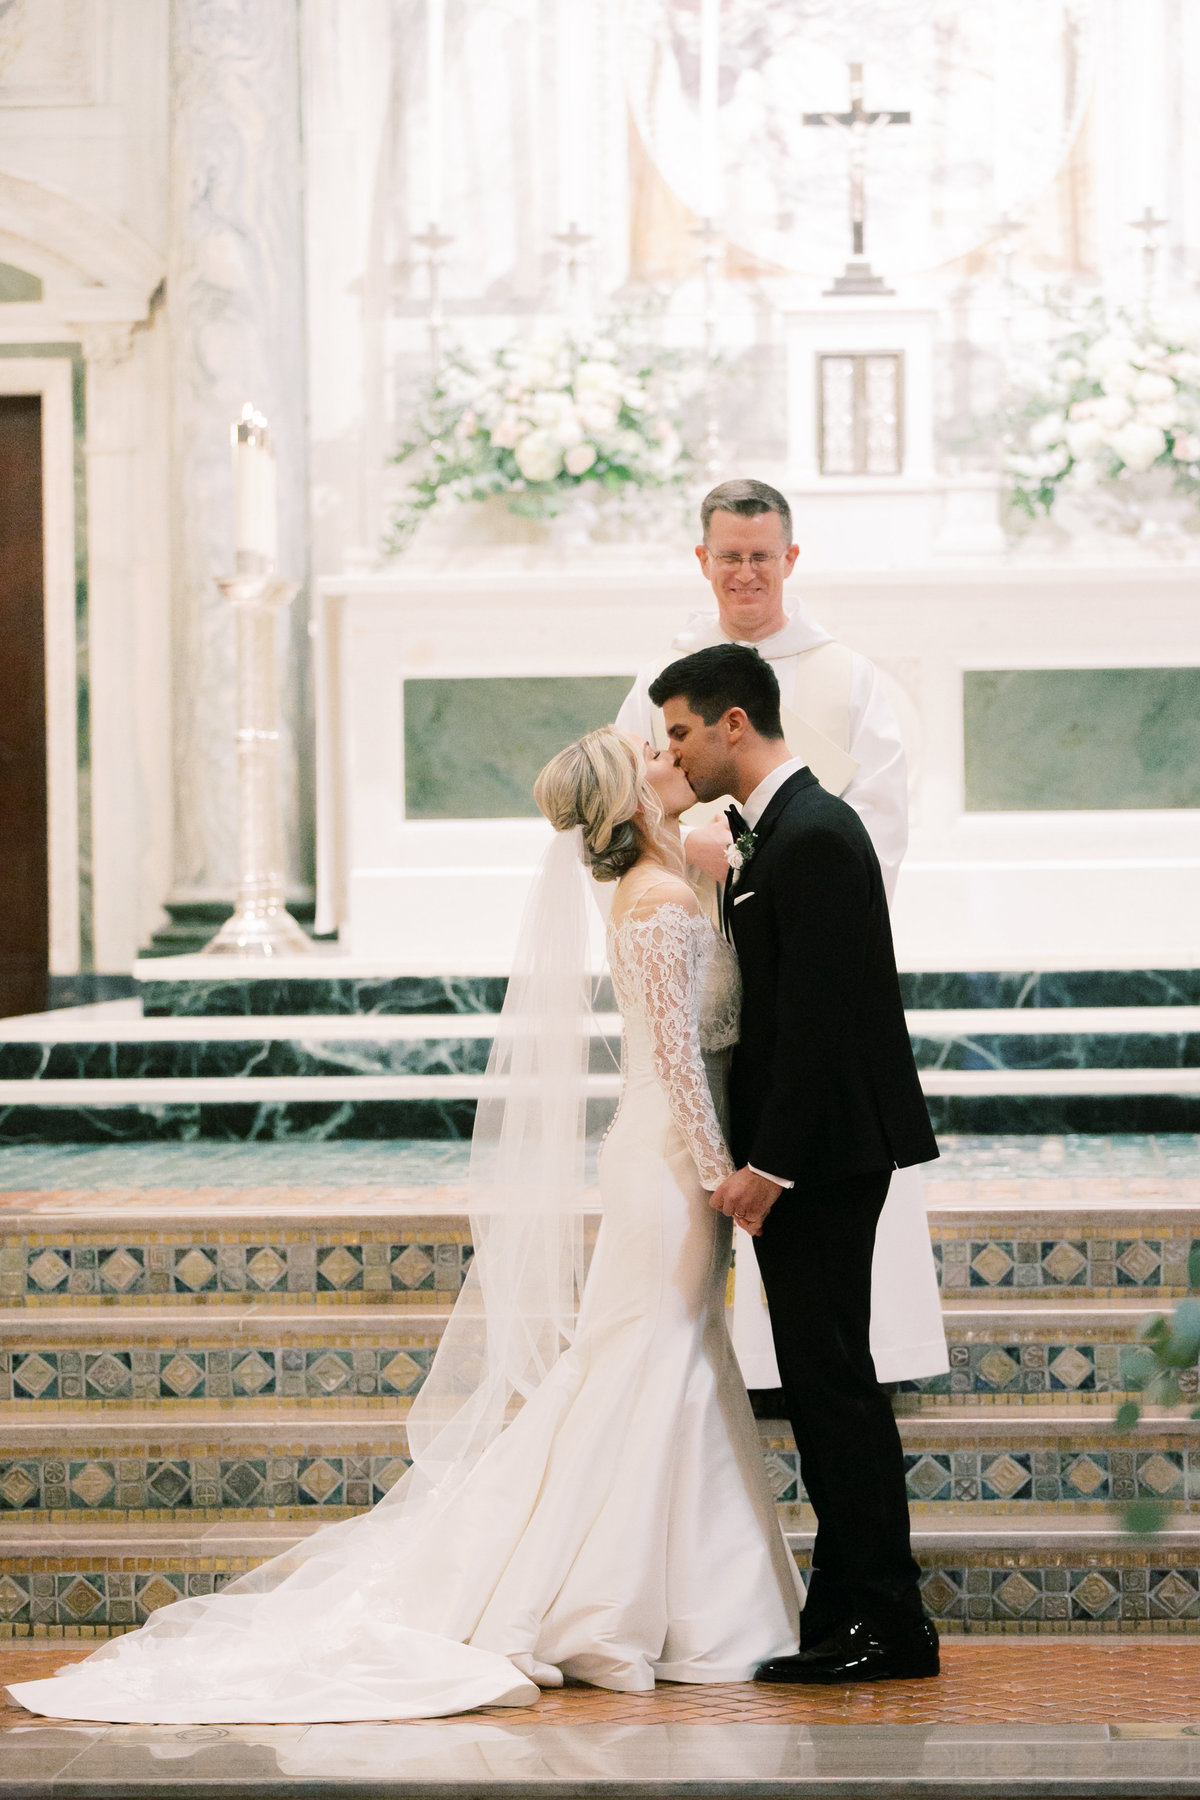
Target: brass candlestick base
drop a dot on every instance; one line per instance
(261, 925)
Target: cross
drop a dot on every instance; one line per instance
(860, 125)
(1149, 225)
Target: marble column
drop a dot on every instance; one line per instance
(235, 297)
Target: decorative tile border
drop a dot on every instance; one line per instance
(43, 1380)
(272, 1477)
(995, 1477)
(239, 1058)
(70, 1265)
(1152, 1592)
(110, 1368)
(79, 1267)
(1151, 1260)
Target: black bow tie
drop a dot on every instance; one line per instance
(737, 824)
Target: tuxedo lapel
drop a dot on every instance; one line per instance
(795, 784)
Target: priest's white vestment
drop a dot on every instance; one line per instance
(838, 717)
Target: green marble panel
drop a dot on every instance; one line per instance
(18, 284)
(1081, 740)
(473, 747)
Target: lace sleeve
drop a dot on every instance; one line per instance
(660, 951)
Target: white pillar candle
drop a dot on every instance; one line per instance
(255, 501)
(710, 90)
(568, 32)
(435, 92)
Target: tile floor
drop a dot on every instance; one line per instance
(984, 1680)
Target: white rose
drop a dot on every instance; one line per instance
(1180, 325)
(539, 456)
(1185, 365)
(1165, 415)
(1112, 411)
(596, 415)
(1151, 389)
(1122, 378)
(601, 376)
(734, 857)
(1084, 436)
(506, 431)
(1187, 446)
(580, 458)
(1108, 352)
(1046, 430)
(1071, 369)
(1138, 445)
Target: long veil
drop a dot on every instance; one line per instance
(514, 1317)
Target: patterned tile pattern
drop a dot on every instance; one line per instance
(1087, 987)
(1084, 1262)
(264, 1481)
(230, 1059)
(276, 1475)
(39, 1380)
(994, 1477)
(1127, 1592)
(1056, 1366)
(395, 994)
(165, 1267)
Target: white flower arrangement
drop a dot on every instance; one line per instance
(1114, 397)
(541, 419)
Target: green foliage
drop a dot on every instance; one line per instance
(1168, 1347)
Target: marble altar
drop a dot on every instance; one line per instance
(985, 887)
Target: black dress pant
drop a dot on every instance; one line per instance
(815, 1259)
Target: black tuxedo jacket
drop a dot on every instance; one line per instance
(823, 1083)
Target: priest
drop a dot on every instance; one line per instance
(836, 715)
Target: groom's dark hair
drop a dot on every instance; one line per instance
(724, 675)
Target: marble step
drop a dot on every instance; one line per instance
(1043, 1572)
(1002, 1353)
(109, 1072)
(331, 982)
(256, 1462)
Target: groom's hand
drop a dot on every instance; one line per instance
(705, 846)
(746, 1197)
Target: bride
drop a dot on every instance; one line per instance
(587, 1498)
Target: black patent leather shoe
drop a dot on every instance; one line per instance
(859, 1653)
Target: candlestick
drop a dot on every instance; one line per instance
(710, 93)
(255, 507)
(435, 244)
(261, 925)
(435, 82)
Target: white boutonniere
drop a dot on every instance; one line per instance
(740, 852)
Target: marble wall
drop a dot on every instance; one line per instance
(1081, 740)
(473, 747)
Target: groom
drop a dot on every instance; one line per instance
(825, 1102)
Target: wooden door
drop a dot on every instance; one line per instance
(24, 894)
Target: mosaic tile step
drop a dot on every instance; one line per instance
(207, 1359)
(258, 1463)
(356, 1246)
(185, 986)
(1040, 1574)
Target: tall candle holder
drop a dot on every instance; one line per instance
(434, 242)
(260, 925)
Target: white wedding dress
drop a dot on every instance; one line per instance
(619, 1530)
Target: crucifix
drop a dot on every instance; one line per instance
(859, 125)
(1149, 225)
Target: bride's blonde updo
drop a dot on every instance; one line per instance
(599, 783)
